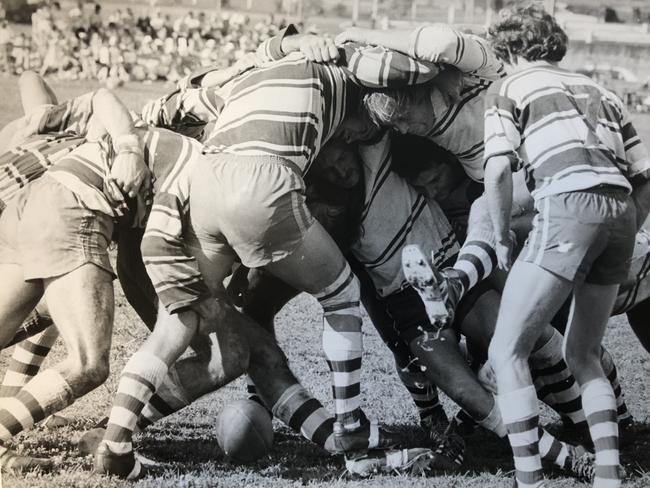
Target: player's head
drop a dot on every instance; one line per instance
(338, 164)
(430, 169)
(527, 32)
(407, 110)
(358, 127)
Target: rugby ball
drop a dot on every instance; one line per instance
(244, 431)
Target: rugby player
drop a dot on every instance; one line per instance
(592, 193)
(42, 256)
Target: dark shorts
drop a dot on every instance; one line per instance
(585, 236)
(251, 206)
(46, 230)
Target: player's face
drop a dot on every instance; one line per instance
(435, 182)
(338, 164)
(417, 119)
(358, 128)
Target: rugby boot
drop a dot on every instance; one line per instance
(126, 466)
(434, 422)
(414, 461)
(627, 432)
(450, 452)
(366, 437)
(56, 421)
(12, 462)
(580, 463)
(440, 291)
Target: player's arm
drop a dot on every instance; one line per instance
(502, 138)
(174, 272)
(435, 43)
(370, 66)
(636, 168)
(128, 171)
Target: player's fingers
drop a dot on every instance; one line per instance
(333, 51)
(316, 54)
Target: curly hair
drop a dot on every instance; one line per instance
(529, 32)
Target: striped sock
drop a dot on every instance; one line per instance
(343, 345)
(552, 450)
(554, 382)
(46, 393)
(170, 397)
(26, 361)
(476, 259)
(521, 416)
(422, 391)
(140, 378)
(493, 421)
(599, 404)
(607, 362)
(303, 413)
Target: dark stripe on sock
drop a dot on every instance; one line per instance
(303, 412)
(116, 433)
(32, 404)
(525, 451)
(552, 370)
(622, 410)
(9, 422)
(346, 392)
(607, 472)
(523, 425)
(161, 405)
(35, 349)
(340, 306)
(139, 379)
(529, 477)
(476, 262)
(574, 405)
(341, 287)
(345, 366)
(558, 387)
(323, 432)
(23, 368)
(9, 391)
(606, 443)
(601, 416)
(130, 403)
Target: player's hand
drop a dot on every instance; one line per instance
(317, 48)
(351, 34)
(505, 251)
(130, 174)
(211, 312)
(246, 62)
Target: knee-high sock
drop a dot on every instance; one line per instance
(170, 397)
(552, 450)
(251, 389)
(521, 416)
(140, 379)
(343, 345)
(599, 404)
(26, 360)
(607, 362)
(422, 391)
(46, 393)
(476, 259)
(303, 413)
(554, 382)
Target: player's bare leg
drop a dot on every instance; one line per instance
(592, 305)
(530, 299)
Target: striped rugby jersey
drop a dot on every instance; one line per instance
(170, 157)
(456, 126)
(289, 107)
(395, 215)
(566, 132)
(57, 131)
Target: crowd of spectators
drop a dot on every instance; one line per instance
(86, 43)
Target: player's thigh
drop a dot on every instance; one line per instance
(531, 297)
(477, 319)
(315, 264)
(81, 304)
(17, 299)
(639, 319)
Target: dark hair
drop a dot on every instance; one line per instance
(413, 154)
(529, 32)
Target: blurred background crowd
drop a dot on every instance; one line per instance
(86, 43)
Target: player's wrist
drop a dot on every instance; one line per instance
(128, 144)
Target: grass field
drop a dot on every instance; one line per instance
(185, 443)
